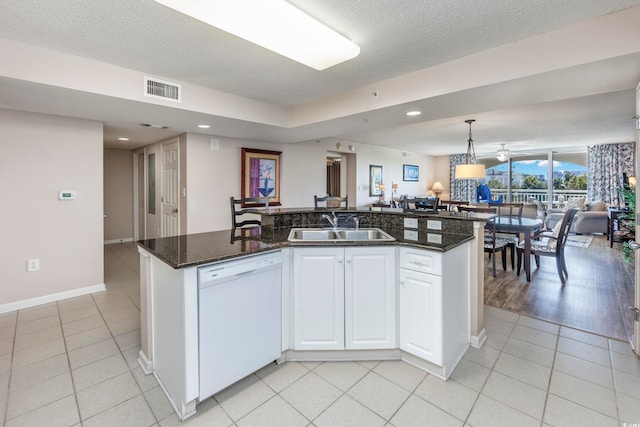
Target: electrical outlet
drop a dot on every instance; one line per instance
(33, 264)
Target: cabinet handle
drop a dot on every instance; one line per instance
(349, 260)
(402, 282)
(340, 260)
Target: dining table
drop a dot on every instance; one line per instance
(520, 225)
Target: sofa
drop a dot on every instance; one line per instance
(592, 217)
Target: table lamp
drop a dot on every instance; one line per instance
(437, 188)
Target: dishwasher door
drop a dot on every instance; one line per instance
(239, 320)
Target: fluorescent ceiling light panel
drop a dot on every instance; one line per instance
(276, 25)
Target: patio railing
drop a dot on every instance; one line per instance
(524, 195)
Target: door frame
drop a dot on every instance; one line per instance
(137, 187)
(635, 340)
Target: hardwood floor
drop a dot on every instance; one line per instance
(595, 298)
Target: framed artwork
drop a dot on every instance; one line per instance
(410, 173)
(375, 180)
(261, 174)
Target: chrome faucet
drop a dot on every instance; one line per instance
(333, 219)
(356, 220)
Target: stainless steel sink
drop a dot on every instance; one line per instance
(310, 235)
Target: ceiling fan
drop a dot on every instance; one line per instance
(502, 154)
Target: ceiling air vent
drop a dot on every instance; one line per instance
(161, 89)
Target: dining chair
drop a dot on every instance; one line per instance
(552, 245)
(512, 210)
(331, 202)
(508, 209)
(453, 204)
(247, 205)
(492, 243)
(429, 205)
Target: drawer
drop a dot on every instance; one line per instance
(423, 261)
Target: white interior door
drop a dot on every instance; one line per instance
(170, 193)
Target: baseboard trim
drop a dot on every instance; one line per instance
(32, 302)
(123, 240)
(479, 340)
(145, 363)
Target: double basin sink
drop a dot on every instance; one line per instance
(310, 235)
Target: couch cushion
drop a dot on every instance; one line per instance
(597, 206)
(576, 202)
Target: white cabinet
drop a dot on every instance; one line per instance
(434, 305)
(318, 298)
(421, 315)
(370, 298)
(344, 298)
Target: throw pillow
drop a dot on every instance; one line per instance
(597, 206)
(555, 233)
(576, 202)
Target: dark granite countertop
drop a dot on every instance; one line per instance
(203, 248)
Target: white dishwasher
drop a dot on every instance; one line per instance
(239, 320)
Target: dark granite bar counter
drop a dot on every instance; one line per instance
(203, 248)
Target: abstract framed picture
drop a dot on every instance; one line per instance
(261, 174)
(410, 172)
(375, 180)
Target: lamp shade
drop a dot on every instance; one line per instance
(469, 171)
(437, 187)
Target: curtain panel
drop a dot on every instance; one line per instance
(461, 189)
(606, 163)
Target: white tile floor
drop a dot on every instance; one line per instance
(73, 363)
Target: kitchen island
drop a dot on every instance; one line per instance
(407, 299)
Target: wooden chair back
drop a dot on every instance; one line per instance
(477, 209)
(246, 205)
(508, 209)
(492, 242)
(331, 202)
(565, 226)
(428, 205)
(451, 204)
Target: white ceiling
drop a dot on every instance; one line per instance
(535, 74)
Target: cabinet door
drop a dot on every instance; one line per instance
(318, 298)
(370, 298)
(421, 315)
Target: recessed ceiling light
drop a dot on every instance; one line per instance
(204, 126)
(276, 25)
(414, 113)
(122, 138)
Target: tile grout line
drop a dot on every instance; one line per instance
(66, 350)
(613, 379)
(129, 370)
(553, 364)
(13, 346)
(466, 420)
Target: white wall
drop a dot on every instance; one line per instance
(42, 155)
(392, 162)
(214, 176)
(118, 195)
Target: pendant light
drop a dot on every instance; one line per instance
(470, 170)
(502, 154)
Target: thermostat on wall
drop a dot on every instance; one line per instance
(67, 195)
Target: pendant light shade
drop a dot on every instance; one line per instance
(470, 170)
